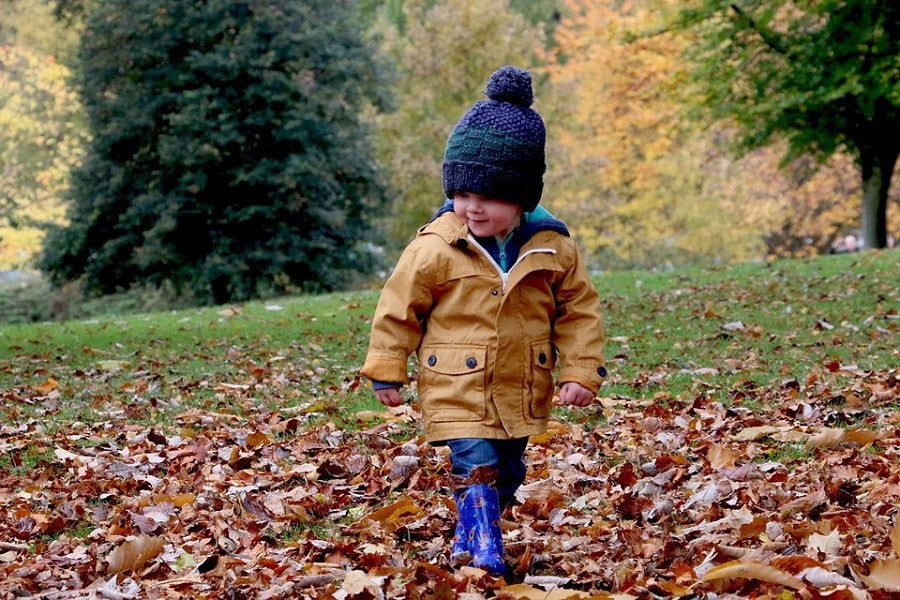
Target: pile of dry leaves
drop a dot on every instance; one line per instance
(660, 498)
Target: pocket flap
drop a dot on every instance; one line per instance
(452, 359)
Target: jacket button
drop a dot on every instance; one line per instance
(471, 363)
(601, 371)
(432, 360)
(542, 358)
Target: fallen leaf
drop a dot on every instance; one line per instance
(720, 456)
(825, 438)
(112, 365)
(750, 434)
(357, 582)
(884, 575)
(827, 544)
(753, 570)
(861, 436)
(135, 554)
(822, 578)
(895, 537)
(48, 386)
(521, 591)
(402, 509)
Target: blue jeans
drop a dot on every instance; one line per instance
(466, 454)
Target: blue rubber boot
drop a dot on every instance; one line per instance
(479, 514)
(459, 552)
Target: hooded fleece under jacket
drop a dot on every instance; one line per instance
(487, 341)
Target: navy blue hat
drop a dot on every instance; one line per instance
(497, 148)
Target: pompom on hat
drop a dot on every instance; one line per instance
(497, 148)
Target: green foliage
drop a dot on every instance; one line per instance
(447, 52)
(824, 75)
(41, 130)
(228, 157)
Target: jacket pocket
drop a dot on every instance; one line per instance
(451, 382)
(540, 391)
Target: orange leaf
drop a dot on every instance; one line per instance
(257, 439)
(48, 386)
(392, 513)
(884, 575)
(135, 554)
(826, 438)
(861, 436)
(720, 456)
(753, 570)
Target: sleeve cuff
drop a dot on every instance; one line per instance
(384, 385)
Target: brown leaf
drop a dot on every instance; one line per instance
(145, 523)
(48, 386)
(403, 509)
(752, 570)
(750, 434)
(825, 438)
(720, 456)
(135, 554)
(884, 575)
(861, 436)
(257, 439)
(522, 591)
(895, 537)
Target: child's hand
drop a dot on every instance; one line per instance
(389, 397)
(575, 394)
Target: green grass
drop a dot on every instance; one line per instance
(20, 462)
(299, 355)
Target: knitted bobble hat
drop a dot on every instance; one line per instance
(497, 148)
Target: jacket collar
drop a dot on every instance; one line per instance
(448, 227)
(540, 219)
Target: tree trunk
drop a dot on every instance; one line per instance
(877, 169)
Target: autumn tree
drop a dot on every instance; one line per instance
(445, 53)
(41, 129)
(824, 75)
(228, 158)
(637, 183)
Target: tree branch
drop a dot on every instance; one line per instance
(768, 36)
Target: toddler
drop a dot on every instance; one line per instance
(492, 295)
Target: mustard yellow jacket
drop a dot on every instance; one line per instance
(486, 341)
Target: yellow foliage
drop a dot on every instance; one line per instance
(638, 182)
(444, 57)
(40, 141)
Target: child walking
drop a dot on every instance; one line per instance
(492, 294)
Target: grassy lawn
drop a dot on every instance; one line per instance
(732, 334)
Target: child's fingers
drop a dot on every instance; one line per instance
(389, 397)
(395, 399)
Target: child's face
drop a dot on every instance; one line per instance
(486, 216)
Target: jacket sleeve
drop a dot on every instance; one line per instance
(397, 325)
(578, 330)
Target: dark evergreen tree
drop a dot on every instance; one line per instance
(228, 157)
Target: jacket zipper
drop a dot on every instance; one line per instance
(504, 275)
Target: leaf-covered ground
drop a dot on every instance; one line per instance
(746, 446)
